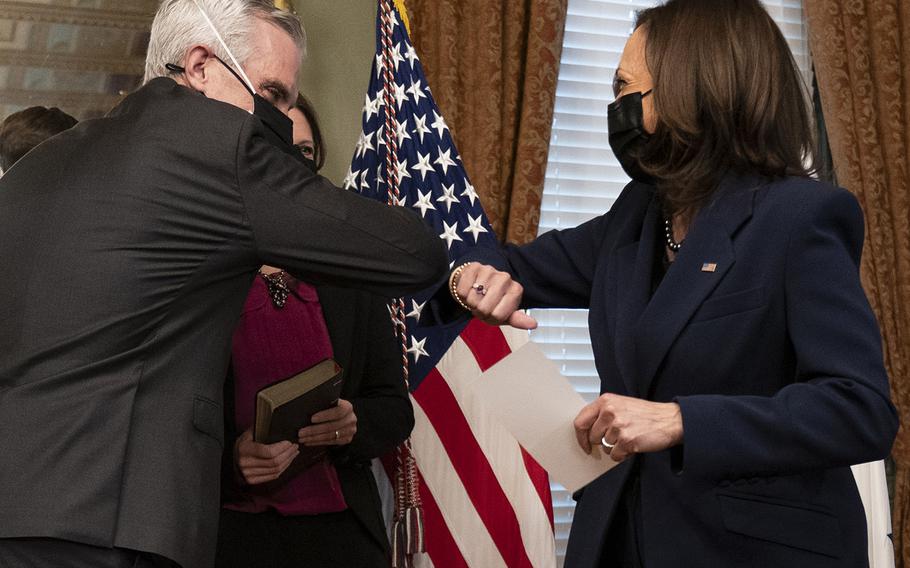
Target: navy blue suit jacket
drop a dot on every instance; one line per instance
(760, 330)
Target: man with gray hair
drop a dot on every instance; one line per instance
(131, 242)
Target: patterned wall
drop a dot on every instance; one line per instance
(79, 55)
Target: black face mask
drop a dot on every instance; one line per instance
(625, 121)
(279, 129)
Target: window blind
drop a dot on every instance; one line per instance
(583, 177)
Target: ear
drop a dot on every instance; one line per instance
(196, 74)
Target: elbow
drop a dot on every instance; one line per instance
(435, 267)
(407, 423)
(437, 262)
(398, 428)
(884, 424)
(403, 422)
(891, 426)
(430, 265)
(427, 258)
(389, 425)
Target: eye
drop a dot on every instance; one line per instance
(272, 94)
(618, 85)
(307, 150)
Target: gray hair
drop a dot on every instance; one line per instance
(179, 25)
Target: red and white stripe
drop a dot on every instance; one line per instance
(486, 502)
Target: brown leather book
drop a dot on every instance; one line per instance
(285, 407)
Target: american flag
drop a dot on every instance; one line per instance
(486, 502)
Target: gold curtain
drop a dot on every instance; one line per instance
(493, 68)
(861, 50)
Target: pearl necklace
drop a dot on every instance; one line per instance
(668, 232)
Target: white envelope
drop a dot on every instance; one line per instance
(536, 404)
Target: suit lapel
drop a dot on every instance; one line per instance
(701, 264)
(633, 267)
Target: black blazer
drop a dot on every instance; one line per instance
(129, 244)
(364, 344)
(760, 330)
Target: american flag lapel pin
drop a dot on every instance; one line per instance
(709, 267)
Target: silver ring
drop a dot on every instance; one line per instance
(605, 443)
(336, 434)
(479, 288)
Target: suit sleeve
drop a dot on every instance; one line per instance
(838, 412)
(322, 234)
(382, 405)
(556, 270)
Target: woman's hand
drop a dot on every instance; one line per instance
(629, 425)
(493, 296)
(332, 427)
(261, 463)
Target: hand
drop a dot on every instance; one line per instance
(631, 425)
(501, 297)
(332, 427)
(261, 463)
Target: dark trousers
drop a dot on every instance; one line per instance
(329, 540)
(56, 553)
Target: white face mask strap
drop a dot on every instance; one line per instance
(226, 48)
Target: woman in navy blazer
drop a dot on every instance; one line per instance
(740, 363)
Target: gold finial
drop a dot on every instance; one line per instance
(404, 15)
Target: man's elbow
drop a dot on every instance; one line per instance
(429, 262)
(435, 265)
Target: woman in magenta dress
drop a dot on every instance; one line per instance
(328, 515)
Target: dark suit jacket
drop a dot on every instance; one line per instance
(773, 355)
(129, 244)
(364, 344)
